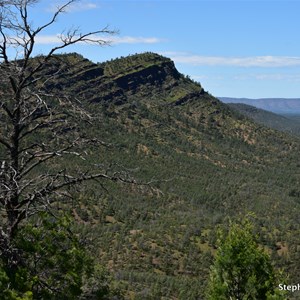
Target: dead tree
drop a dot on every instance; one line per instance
(32, 120)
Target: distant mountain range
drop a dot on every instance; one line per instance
(277, 105)
(286, 123)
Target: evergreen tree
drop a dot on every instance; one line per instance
(242, 269)
(55, 264)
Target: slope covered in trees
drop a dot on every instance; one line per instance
(204, 162)
(193, 163)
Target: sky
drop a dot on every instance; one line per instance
(241, 48)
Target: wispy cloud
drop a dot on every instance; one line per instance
(54, 39)
(253, 61)
(271, 77)
(47, 39)
(279, 77)
(136, 40)
(75, 7)
(208, 77)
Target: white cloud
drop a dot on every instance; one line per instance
(253, 61)
(279, 77)
(75, 7)
(54, 39)
(136, 40)
(268, 76)
(173, 53)
(208, 77)
(47, 39)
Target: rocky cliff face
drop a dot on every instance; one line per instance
(117, 81)
(152, 80)
(153, 76)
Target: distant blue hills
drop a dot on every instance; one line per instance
(276, 105)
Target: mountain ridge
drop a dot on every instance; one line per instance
(204, 162)
(276, 105)
(279, 122)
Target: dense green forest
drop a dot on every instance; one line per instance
(188, 165)
(195, 163)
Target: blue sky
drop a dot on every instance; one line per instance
(239, 48)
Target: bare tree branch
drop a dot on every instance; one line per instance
(5, 143)
(38, 126)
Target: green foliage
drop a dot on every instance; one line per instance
(242, 270)
(55, 264)
(132, 63)
(13, 293)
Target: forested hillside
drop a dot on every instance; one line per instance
(192, 163)
(198, 162)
